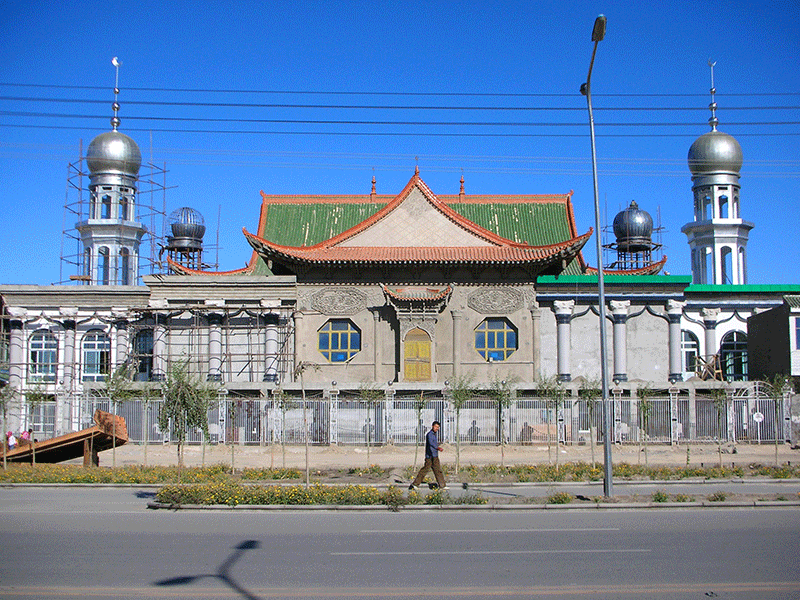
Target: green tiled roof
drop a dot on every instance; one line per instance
(308, 223)
(775, 288)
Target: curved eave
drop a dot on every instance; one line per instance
(653, 269)
(180, 269)
(508, 254)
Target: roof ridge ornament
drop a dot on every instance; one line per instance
(713, 121)
(115, 106)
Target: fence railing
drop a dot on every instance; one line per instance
(348, 420)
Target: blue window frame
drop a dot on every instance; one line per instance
(339, 340)
(495, 339)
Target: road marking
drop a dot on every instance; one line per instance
(484, 552)
(526, 591)
(439, 531)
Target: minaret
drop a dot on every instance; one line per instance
(718, 234)
(111, 234)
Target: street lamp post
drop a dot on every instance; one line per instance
(598, 33)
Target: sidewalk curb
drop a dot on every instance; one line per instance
(481, 507)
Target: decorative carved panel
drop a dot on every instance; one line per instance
(497, 301)
(338, 301)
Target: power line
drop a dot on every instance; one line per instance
(398, 94)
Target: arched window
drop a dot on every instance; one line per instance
(124, 267)
(723, 207)
(742, 267)
(707, 207)
(708, 266)
(96, 356)
(87, 262)
(43, 361)
(733, 356)
(727, 265)
(105, 212)
(123, 208)
(103, 267)
(690, 348)
(495, 339)
(339, 340)
(143, 354)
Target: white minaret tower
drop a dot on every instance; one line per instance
(111, 235)
(718, 235)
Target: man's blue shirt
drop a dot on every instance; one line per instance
(431, 444)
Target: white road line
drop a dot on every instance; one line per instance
(485, 552)
(440, 531)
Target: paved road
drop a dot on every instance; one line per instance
(98, 542)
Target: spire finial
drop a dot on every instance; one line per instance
(713, 121)
(461, 192)
(115, 106)
(416, 166)
(373, 192)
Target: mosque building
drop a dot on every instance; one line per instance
(412, 292)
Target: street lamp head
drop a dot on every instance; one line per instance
(599, 31)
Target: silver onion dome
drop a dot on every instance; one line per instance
(114, 152)
(188, 228)
(715, 152)
(633, 229)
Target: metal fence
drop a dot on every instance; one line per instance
(749, 416)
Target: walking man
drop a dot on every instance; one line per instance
(432, 449)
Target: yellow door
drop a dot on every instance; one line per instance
(417, 356)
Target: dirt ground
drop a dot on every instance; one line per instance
(348, 457)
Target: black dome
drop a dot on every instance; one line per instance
(633, 229)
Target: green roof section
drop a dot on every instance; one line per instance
(773, 288)
(307, 224)
(613, 279)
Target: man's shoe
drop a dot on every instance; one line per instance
(413, 487)
(444, 487)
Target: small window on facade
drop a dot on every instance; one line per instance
(96, 356)
(689, 351)
(123, 208)
(339, 340)
(143, 354)
(43, 357)
(797, 332)
(733, 356)
(495, 339)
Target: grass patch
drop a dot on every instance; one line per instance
(660, 496)
(718, 497)
(234, 494)
(559, 498)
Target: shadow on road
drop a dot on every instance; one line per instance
(222, 573)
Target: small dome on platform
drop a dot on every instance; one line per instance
(188, 227)
(633, 229)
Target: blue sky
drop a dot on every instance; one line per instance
(501, 78)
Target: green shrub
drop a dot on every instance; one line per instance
(718, 497)
(683, 498)
(660, 496)
(559, 498)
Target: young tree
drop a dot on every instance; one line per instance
(419, 406)
(186, 404)
(720, 398)
(298, 373)
(119, 388)
(500, 392)
(553, 392)
(284, 403)
(591, 390)
(461, 391)
(34, 397)
(7, 395)
(778, 386)
(369, 395)
(644, 392)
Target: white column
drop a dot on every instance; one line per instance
(536, 340)
(16, 366)
(214, 346)
(271, 347)
(563, 310)
(160, 348)
(457, 319)
(710, 321)
(674, 312)
(619, 312)
(377, 354)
